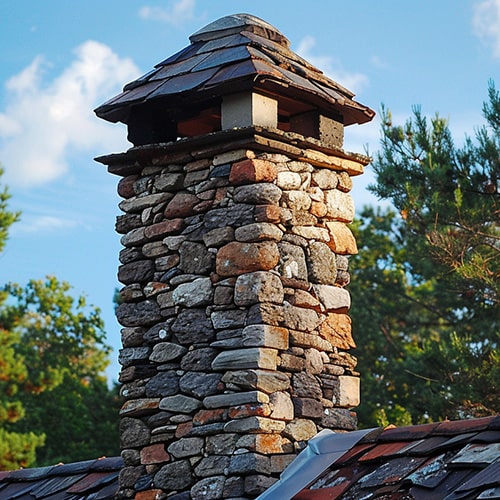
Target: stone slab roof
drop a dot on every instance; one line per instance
(234, 54)
(454, 460)
(89, 480)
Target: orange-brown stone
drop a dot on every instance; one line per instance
(181, 205)
(148, 495)
(337, 330)
(268, 213)
(164, 228)
(237, 258)
(250, 410)
(204, 417)
(342, 240)
(154, 454)
(252, 170)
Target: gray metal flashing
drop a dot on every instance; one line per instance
(323, 450)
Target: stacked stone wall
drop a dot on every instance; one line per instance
(235, 318)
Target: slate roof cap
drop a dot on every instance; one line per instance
(234, 54)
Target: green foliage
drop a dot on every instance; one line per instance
(58, 334)
(426, 279)
(7, 218)
(18, 450)
(79, 420)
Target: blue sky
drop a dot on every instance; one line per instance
(59, 59)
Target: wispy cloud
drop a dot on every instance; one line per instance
(176, 13)
(43, 223)
(43, 122)
(486, 24)
(330, 66)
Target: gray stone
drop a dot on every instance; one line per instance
(308, 408)
(334, 418)
(199, 384)
(132, 337)
(247, 463)
(257, 484)
(180, 404)
(158, 333)
(195, 258)
(134, 237)
(262, 380)
(252, 357)
(305, 386)
(130, 355)
(133, 433)
(139, 203)
(127, 222)
(222, 444)
(262, 193)
(199, 359)
(232, 318)
(292, 261)
(210, 488)
(138, 314)
(186, 447)
(259, 231)
(169, 181)
(218, 237)
(130, 475)
(321, 264)
(212, 466)
(235, 399)
(198, 292)
(155, 249)
(131, 293)
(259, 286)
(130, 254)
(174, 476)
(236, 215)
(255, 425)
(192, 326)
(166, 351)
(163, 384)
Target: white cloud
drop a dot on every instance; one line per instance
(330, 66)
(176, 13)
(42, 223)
(43, 123)
(486, 24)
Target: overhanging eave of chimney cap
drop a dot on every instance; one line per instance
(235, 54)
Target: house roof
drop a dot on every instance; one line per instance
(455, 460)
(89, 480)
(234, 54)
(448, 460)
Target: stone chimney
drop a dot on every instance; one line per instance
(236, 206)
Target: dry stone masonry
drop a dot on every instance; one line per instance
(236, 332)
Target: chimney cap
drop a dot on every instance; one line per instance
(237, 53)
(237, 23)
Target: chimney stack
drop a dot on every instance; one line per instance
(235, 234)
